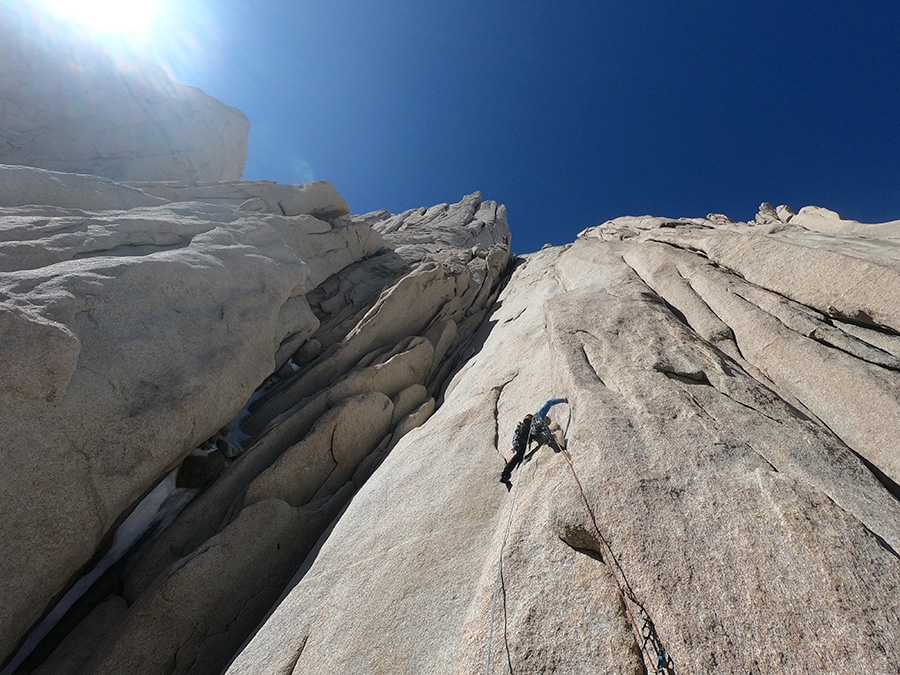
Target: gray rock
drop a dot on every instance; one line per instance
(326, 457)
(70, 657)
(785, 213)
(203, 517)
(852, 386)
(712, 495)
(723, 488)
(767, 214)
(318, 199)
(311, 432)
(408, 400)
(419, 233)
(130, 338)
(414, 419)
(405, 309)
(22, 185)
(202, 608)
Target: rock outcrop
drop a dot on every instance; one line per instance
(131, 336)
(727, 501)
(279, 428)
(67, 107)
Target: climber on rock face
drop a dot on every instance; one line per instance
(520, 445)
(532, 428)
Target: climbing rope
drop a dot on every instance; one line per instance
(499, 578)
(654, 655)
(657, 661)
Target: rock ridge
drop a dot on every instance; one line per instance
(133, 335)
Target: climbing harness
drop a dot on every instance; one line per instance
(656, 659)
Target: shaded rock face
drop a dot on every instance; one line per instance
(132, 336)
(66, 107)
(727, 501)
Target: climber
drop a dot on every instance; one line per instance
(544, 431)
(532, 427)
(520, 444)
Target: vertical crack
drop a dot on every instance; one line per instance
(497, 392)
(295, 659)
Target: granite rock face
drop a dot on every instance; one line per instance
(129, 337)
(67, 107)
(727, 500)
(419, 232)
(132, 336)
(323, 428)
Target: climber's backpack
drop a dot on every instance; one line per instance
(523, 433)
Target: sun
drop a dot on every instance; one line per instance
(122, 18)
(183, 37)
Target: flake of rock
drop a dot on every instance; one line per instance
(327, 457)
(785, 213)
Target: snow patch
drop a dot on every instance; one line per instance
(132, 529)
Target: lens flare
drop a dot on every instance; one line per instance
(135, 17)
(183, 37)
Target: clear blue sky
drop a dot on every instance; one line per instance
(570, 113)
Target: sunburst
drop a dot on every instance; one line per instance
(131, 18)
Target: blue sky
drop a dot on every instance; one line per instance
(570, 113)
